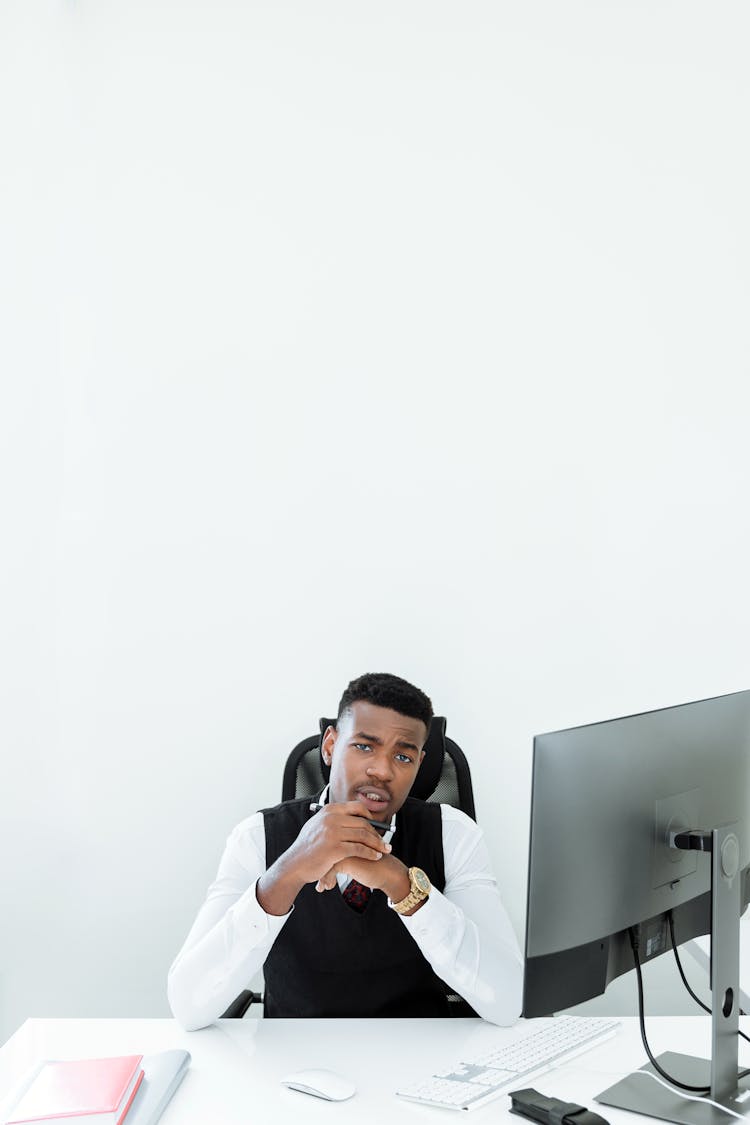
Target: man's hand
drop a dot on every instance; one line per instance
(390, 876)
(338, 832)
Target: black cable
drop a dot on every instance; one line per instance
(641, 1016)
(697, 999)
(670, 920)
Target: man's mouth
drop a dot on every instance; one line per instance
(374, 799)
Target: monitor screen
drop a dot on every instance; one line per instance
(605, 798)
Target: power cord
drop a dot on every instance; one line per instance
(670, 920)
(699, 1002)
(690, 1097)
(634, 944)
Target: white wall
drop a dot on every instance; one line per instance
(340, 337)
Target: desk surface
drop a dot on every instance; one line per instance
(237, 1064)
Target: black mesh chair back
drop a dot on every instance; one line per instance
(443, 777)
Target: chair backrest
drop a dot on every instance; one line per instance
(444, 776)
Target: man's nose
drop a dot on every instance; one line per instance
(381, 767)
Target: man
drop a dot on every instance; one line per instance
(347, 919)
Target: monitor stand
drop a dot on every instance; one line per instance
(644, 1095)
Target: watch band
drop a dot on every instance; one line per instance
(551, 1111)
(415, 895)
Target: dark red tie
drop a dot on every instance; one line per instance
(356, 895)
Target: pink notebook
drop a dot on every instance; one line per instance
(85, 1091)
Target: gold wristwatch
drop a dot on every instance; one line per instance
(420, 890)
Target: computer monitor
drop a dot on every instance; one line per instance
(608, 801)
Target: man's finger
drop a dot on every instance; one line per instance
(352, 808)
(347, 850)
(360, 831)
(328, 881)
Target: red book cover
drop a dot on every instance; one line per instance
(89, 1091)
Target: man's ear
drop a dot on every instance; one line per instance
(327, 745)
(421, 758)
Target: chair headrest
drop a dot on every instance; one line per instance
(432, 763)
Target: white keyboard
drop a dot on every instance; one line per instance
(473, 1083)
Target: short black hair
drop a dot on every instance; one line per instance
(385, 690)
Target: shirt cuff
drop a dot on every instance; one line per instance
(435, 927)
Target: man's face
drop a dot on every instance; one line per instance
(374, 757)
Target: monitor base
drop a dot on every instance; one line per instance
(643, 1095)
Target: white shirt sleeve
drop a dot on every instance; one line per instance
(465, 932)
(231, 937)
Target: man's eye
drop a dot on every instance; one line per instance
(361, 746)
(404, 758)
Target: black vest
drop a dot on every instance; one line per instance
(330, 961)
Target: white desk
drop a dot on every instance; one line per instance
(234, 1076)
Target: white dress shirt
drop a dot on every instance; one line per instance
(464, 933)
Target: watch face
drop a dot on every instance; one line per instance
(421, 880)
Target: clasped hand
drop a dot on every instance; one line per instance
(340, 839)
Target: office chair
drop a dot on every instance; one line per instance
(444, 777)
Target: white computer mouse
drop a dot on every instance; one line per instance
(321, 1084)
